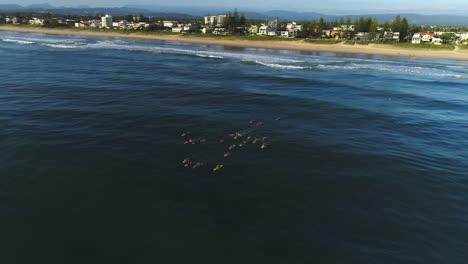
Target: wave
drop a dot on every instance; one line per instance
(413, 70)
(202, 53)
(17, 41)
(281, 66)
(62, 46)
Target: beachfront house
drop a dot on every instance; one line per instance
(391, 36)
(219, 31)
(169, 24)
(36, 21)
(437, 41)
(206, 30)
(120, 24)
(285, 34)
(191, 27)
(361, 36)
(427, 37)
(266, 30)
(177, 29)
(253, 29)
(293, 29)
(416, 39)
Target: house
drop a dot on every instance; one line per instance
(206, 30)
(437, 41)
(391, 36)
(253, 30)
(416, 39)
(36, 21)
(177, 29)
(293, 29)
(361, 36)
(11, 20)
(120, 24)
(327, 33)
(191, 27)
(427, 37)
(285, 34)
(265, 30)
(169, 24)
(273, 23)
(96, 23)
(219, 31)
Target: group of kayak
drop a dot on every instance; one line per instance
(236, 136)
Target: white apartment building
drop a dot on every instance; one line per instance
(106, 21)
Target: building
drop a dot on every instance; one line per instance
(169, 24)
(361, 36)
(36, 21)
(177, 29)
(120, 24)
(253, 30)
(265, 30)
(214, 20)
(427, 37)
(416, 39)
(106, 21)
(293, 29)
(219, 31)
(437, 41)
(285, 34)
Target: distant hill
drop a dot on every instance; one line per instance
(44, 5)
(116, 11)
(7, 7)
(197, 12)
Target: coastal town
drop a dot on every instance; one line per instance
(361, 30)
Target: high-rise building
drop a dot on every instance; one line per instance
(106, 21)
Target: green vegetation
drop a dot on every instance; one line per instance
(362, 42)
(406, 45)
(239, 37)
(349, 42)
(449, 37)
(323, 41)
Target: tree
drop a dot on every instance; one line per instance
(449, 37)
(321, 26)
(373, 29)
(396, 25)
(129, 18)
(348, 21)
(386, 26)
(242, 20)
(403, 29)
(341, 21)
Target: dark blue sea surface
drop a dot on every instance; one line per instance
(368, 164)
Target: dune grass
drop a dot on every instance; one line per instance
(323, 41)
(407, 45)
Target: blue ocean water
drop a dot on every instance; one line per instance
(368, 163)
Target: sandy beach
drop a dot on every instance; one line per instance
(372, 49)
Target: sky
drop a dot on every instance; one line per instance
(329, 6)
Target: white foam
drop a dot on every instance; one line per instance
(210, 56)
(281, 66)
(213, 54)
(61, 46)
(18, 41)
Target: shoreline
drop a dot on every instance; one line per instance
(298, 45)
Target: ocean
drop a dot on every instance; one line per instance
(364, 157)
